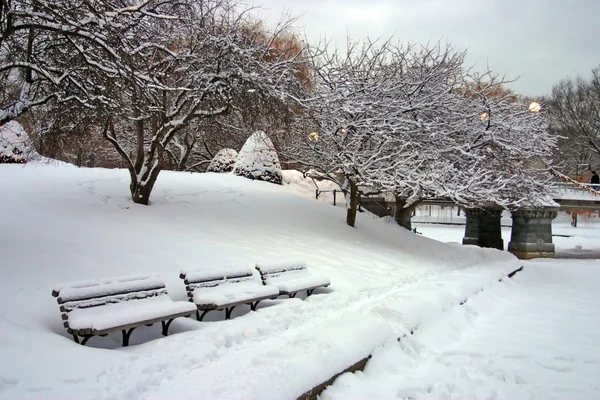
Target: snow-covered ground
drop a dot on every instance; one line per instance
(532, 337)
(61, 223)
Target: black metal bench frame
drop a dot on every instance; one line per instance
(127, 329)
(206, 308)
(309, 290)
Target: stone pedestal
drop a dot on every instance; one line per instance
(483, 228)
(531, 235)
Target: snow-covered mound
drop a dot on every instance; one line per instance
(15, 143)
(258, 159)
(223, 161)
(77, 224)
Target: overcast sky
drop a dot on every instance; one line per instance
(542, 41)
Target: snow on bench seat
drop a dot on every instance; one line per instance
(224, 288)
(97, 307)
(125, 314)
(297, 285)
(290, 277)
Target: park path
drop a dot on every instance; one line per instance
(533, 337)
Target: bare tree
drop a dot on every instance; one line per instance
(165, 68)
(44, 42)
(574, 107)
(409, 120)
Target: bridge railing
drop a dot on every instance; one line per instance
(579, 186)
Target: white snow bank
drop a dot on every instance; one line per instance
(73, 224)
(309, 359)
(296, 182)
(532, 337)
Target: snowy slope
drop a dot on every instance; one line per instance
(61, 223)
(533, 337)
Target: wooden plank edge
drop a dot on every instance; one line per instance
(515, 272)
(313, 393)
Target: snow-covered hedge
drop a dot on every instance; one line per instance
(15, 144)
(258, 159)
(224, 161)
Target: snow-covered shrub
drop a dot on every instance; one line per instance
(15, 144)
(258, 159)
(224, 161)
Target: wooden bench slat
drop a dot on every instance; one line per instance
(97, 307)
(137, 324)
(291, 277)
(216, 273)
(223, 288)
(86, 290)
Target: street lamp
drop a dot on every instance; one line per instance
(535, 107)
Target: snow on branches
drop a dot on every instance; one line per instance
(148, 72)
(258, 159)
(15, 144)
(224, 161)
(410, 120)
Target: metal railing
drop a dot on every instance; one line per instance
(578, 186)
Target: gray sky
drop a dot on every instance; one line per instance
(542, 41)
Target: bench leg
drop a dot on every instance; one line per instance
(309, 292)
(199, 317)
(126, 335)
(228, 312)
(84, 341)
(292, 295)
(254, 305)
(165, 326)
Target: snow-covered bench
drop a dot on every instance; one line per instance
(290, 277)
(98, 307)
(224, 288)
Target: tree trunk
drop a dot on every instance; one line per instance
(142, 184)
(140, 194)
(402, 214)
(353, 205)
(141, 190)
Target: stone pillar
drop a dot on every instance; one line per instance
(483, 228)
(531, 235)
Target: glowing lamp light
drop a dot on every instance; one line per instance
(535, 107)
(484, 116)
(314, 136)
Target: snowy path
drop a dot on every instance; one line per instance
(278, 352)
(535, 337)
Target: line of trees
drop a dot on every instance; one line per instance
(410, 120)
(168, 83)
(574, 105)
(144, 74)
